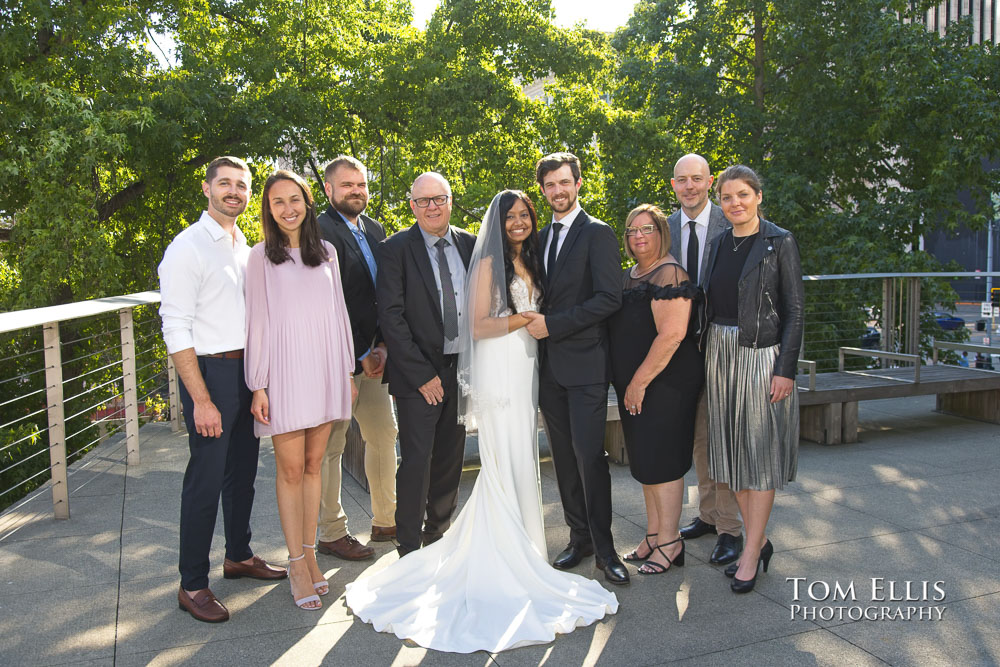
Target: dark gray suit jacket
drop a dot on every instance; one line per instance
(717, 224)
(409, 308)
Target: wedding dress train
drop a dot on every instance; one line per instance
(487, 583)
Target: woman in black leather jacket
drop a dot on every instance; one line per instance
(755, 300)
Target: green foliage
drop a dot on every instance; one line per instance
(864, 126)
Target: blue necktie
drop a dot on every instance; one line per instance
(365, 250)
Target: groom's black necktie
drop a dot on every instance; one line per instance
(553, 250)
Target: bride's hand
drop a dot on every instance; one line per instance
(633, 398)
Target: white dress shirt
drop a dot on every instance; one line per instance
(701, 229)
(201, 289)
(566, 223)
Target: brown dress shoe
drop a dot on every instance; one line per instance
(347, 548)
(204, 606)
(380, 534)
(258, 569)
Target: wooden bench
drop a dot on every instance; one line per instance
(829, 401)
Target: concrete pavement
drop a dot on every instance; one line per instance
(916, 500)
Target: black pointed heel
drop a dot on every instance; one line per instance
(766, 552)
(741, 586)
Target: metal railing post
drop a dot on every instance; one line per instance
(888, 318)
(57, 421)
(913, 317)
(131, 394)
(175, 397)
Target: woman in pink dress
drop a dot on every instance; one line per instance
(299, 361)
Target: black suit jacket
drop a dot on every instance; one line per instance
(410, 310)
(359, 290)
(583, 290)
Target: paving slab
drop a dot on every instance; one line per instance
(63, 625)
(815, 647)
(965, 635)
(921, 503)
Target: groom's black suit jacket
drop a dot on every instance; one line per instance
(410, 309)
(582, 291)
(359, 289)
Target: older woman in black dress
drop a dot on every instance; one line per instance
(657, 374)
(755, 300)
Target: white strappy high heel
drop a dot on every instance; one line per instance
(321, 587)
(301, 602)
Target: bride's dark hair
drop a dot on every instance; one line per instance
(531, 253)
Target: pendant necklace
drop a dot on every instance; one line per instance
(736, 246)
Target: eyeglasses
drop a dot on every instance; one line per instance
(645, 229)
(424, 202)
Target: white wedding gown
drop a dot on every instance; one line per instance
(487, 584)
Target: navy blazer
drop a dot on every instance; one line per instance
(359, 289)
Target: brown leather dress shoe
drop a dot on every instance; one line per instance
(347, 548)
(258, 569)
(380, 534)
(204, 606)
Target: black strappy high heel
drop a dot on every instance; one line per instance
(635, 557)
(660, 569)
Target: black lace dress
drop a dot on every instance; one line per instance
(660, 439)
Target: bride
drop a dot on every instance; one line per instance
(487, 584)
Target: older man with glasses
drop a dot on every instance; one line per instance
(420, 290)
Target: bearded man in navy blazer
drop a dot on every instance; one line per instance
(583, 288)
(356, 237)
(421, 293)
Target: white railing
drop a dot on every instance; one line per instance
(109, 401)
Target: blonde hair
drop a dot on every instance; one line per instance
(659, 219)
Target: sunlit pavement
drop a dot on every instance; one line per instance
(917, 500)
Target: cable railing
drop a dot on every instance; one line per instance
(71, 377)
(898, 313)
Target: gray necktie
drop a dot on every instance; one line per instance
(447, 292)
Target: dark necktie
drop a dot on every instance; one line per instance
(692, 260)
(450, 312)
(553, 249)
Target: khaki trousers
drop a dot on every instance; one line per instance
(373, 411)
(716, 502)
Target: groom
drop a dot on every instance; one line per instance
(583, 288)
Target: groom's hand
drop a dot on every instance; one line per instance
(432, 392)
(536, 325)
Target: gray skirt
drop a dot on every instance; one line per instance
(752, 443)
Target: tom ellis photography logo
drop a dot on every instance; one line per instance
(876, 599)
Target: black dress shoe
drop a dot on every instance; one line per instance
(571, 556)
(696, 529)
(614, 570)
(727, 549)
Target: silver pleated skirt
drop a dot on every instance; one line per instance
(752, 443)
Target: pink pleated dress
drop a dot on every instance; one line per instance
(299, 344)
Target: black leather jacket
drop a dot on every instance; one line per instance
(771, 296)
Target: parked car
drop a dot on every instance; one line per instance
(871, 339)
(947, 321)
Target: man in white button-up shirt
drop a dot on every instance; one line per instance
(204, 327)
